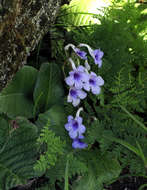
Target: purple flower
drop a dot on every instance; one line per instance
(77, 77)
(97, 55)
(75, 127)
(81, 54)
(75, 95)
(77, 143)
(94, 83)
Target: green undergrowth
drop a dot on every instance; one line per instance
(34, 108)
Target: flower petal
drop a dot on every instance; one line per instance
(80, 136)
(69, 99)
(93, 74)
(99, 63)
(95, 90)
(73, 134)
(78, 84)
(80, 68)
(86, 86)
(79, 120)
(75, 144)
(85, 77)
(70, 118)
(67, 127)
(76, 102)
(100, 81)
(82, 94)
(82, 129)
(69, 81)
(81, 54)
(82, 145)
(78, 144)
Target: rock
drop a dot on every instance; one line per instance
(22, 24)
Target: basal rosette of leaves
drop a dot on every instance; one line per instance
(19, 147)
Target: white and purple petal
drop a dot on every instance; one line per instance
(67, 127)
(73, 134)
(77, 143)
(75, 102)
(80, 53)
(70, 118)
(96, 90)
(78, 84)
(100, 81)
(82, 129)
(86, 86)
(82, 94)
(69, 81)
(79, 120)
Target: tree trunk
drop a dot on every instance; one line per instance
(22, 24)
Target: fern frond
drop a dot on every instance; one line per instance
(54, 148)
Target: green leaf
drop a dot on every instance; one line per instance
(132, 117)
(87, 182)
(15, 99)
(138, 151)
(102, 169)
(76, 167)
(19, 155)
(79, 13)
(56, 117)
(142, 154)
(4, 132)
(142, 187)
(48, 86)
(108, 168)
(54, 148)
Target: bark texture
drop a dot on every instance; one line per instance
(22, 24)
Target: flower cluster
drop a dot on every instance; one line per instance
(81, 81)
(76, 129)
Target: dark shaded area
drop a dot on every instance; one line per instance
(33, 184)
(129, 183)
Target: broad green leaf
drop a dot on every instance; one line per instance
(8, 179)
(108, 169)
(56, 116)
(102, 169)
(19, 155)
(48, 90)
(79, 13)
(87, 182)
(16, 98)
(4, 132)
